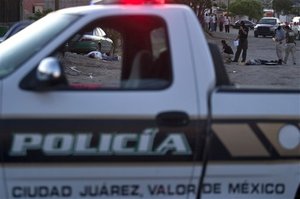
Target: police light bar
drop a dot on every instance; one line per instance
(134, 2)
(94, 2)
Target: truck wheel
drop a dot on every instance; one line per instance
(255, 35)
(297, 196)
(112, 51)
(99, 47)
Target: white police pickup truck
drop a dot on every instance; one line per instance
(159, 121)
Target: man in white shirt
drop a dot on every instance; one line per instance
(279, 39)
(227, 24)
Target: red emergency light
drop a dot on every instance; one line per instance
(139, 2)
(127, 2)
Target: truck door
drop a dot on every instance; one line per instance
(84, 122)
(2, 179)
(255, 142)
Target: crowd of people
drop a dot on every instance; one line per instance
(212, 22)
(285, 42)
(285, 45)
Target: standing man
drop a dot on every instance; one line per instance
(211, 22)
(207, 22)
(290, 44)
(214, 22)
(227, 24)
(243, 43)
(279, 38)
(221, 23)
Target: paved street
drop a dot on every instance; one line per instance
(260, 48)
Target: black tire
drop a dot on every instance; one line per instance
(99, 47)
(297, 196)
(112, 50)
(255, 35)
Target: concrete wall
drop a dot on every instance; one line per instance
(31, 6)
(9, 11)
(65, 3)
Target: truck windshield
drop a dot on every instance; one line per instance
(20, 47)
(268, 21)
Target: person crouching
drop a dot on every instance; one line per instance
(227, 52)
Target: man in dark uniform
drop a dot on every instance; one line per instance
(243, 43)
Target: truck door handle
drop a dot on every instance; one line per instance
(172, 118)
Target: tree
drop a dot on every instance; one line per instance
(267, 3)
(222, 5)
(295, 10)
(251, 8)
(282, 6)
(200, 7)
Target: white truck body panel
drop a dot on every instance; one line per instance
(166, 181)
(74, 108)
(252, 153)
(3, 189)
(268, 105)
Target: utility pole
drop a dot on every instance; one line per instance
(56, 7)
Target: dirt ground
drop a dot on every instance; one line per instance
(260, 75)
(82, 69)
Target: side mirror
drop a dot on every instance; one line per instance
(49, 75)
(49, 70)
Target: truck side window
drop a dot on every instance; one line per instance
(115, 53)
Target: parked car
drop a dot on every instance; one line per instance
(15, 28)
(296, 19)
(248, 23)
(95, 40)
(266, 26)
